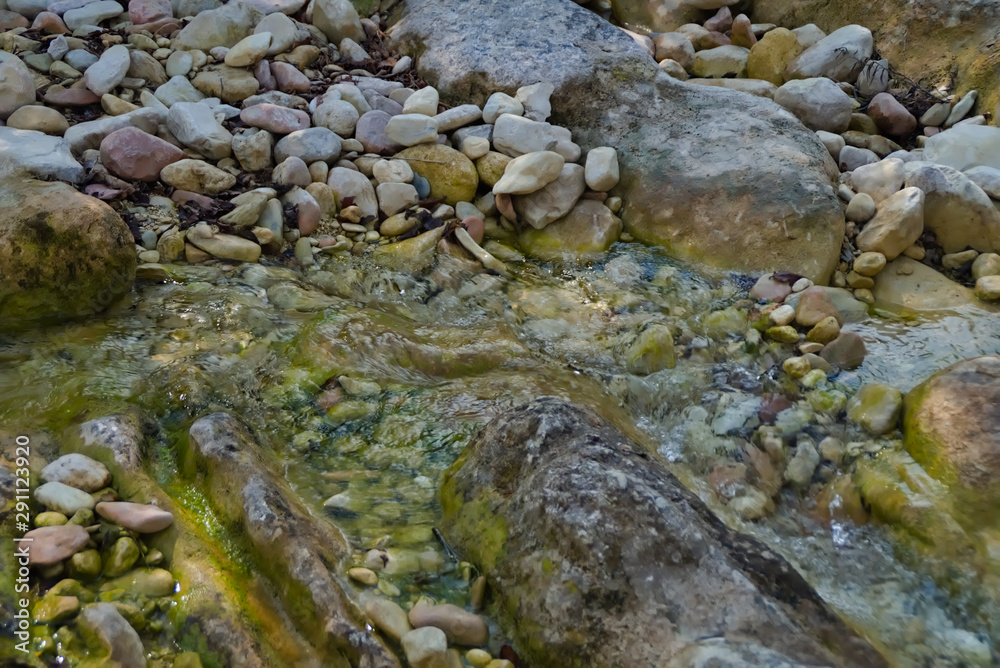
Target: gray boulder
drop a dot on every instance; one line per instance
(594, 550)
(712, 175)
(37, 154)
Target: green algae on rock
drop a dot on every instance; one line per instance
(63, 254)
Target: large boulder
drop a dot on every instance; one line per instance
(661, 16)
(594, 550)
(714, 176)
(956, 37)
(951, 426)
(63, 254)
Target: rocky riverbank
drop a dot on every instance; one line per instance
(318, 276)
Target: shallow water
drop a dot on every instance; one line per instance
(451, 350)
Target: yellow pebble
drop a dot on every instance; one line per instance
(478, 657)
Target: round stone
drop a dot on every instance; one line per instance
(79, 471)
(451, 175)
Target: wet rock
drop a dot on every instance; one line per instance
(290, 545)
(586, 232)
(78, 471)
(950, 426)
(876, 407)
(120, 642)
(652, 351)
(913, 286)
(121, 557)
(93, 266)
(54, 609)
(460, 626)
(138, 517)
(426, 648)
(50, 545)
(504, 514)
(388, 618)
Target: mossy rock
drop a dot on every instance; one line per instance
(585, 233)
(63, 254)
(951, 426)
(451, 174)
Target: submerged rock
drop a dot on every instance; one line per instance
(594, 550)
(294, 549)
(694, 173)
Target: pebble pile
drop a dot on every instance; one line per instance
(96, 549)
(249, 133)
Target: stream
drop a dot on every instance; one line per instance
(450, 350)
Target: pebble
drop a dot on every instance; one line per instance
(388, 618)
(50, 545)
(138, 517)
(425, 648)
(852, 157)
(501, 103)
(275, 119)
(988, 288)
(479, 658)
(956, 260)
(515, 136)
(535, 100)
(92, 14)
(890, 116)
(961, 108)
(602, 169)
(132, 154)
(349, 183)
(364, 576)
(796, 367)
(62, 498)
(424, 102)
(40, 119)
(17, 87)
(838, 56)
(818, 102)
(292, 172)
(79, 471)
(248, 50)
(825, 331)
(721, 62)
(861, 208)
(411, 129)
(394, 197)
(311, 145)
(549, 203)
(338, 115)
(880, 179)
(987, 264)
(392, 171)
(530, 172)
(197, 176)
(869, 264)
(847, 351)
(783, 315)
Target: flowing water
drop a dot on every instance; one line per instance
(452, 349)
